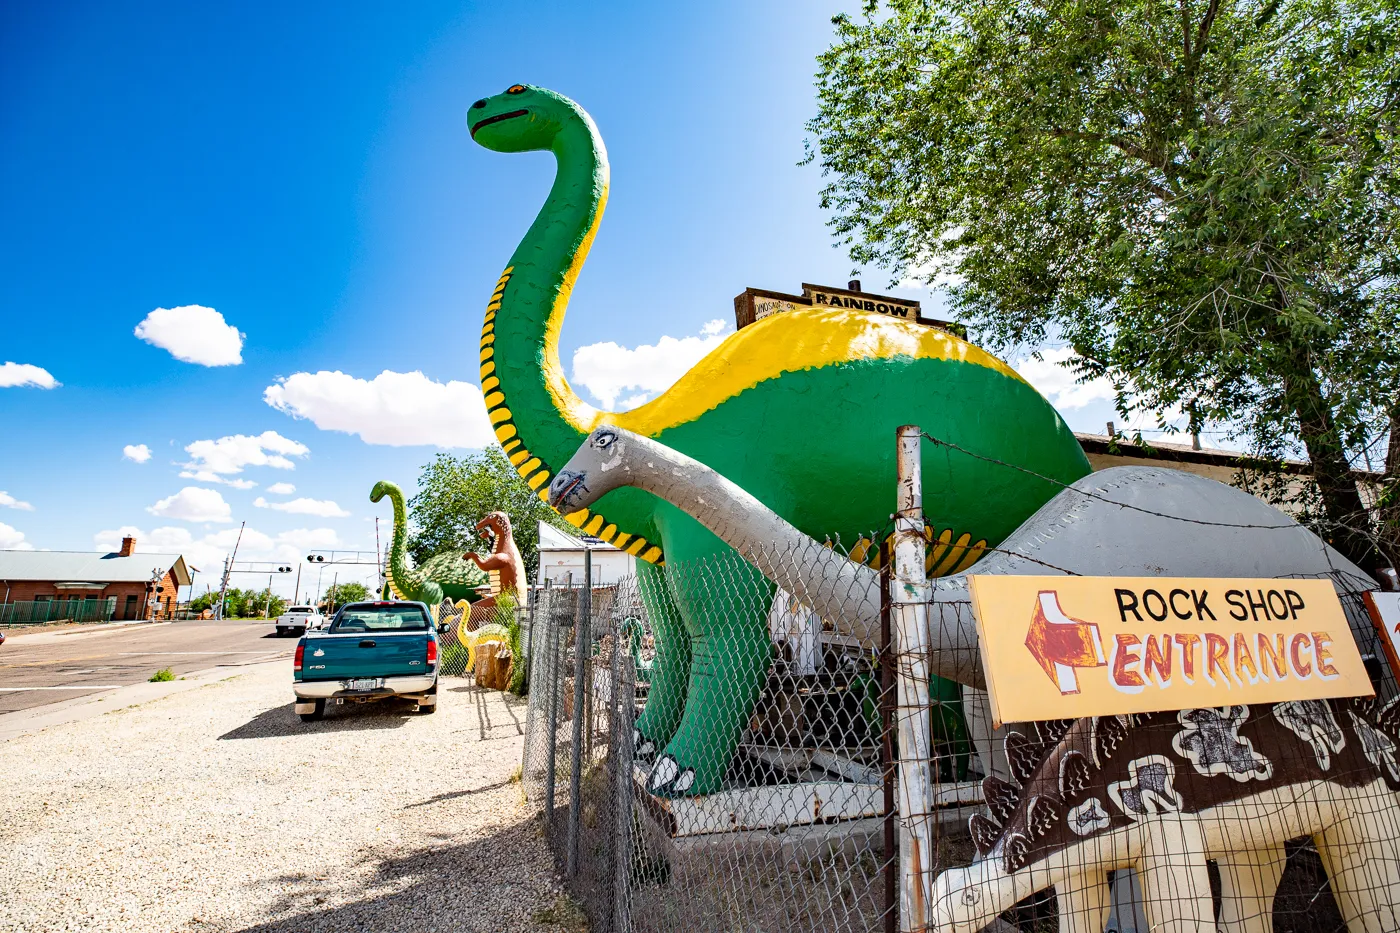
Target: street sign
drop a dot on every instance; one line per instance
(1384, 609)
(1068, 647)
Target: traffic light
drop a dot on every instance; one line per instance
(284, 569)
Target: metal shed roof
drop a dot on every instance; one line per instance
(60, 566)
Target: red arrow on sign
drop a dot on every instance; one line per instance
(1061, 644)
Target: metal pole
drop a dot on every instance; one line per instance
(624, 706)
(909, 599)
(582, 643)
(552, 646)
(296, 596)
(529, 659)
(887, 727)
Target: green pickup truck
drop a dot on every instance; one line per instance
(370, 651)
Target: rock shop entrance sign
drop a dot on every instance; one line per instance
(1069, 647)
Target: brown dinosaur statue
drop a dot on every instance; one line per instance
(503, 564)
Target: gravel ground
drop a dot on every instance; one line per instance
(218, 810)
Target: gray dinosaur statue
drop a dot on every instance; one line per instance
(1123, 521)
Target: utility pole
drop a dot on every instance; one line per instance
(268, 608)
(296, 597)
(228, 568)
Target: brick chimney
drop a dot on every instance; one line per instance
(128, 547)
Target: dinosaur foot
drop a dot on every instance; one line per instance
(643, 748)
(669, 779)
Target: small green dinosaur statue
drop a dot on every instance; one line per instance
(448, 574)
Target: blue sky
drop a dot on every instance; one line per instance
(304, 170)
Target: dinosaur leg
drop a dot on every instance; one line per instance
(670, 674)
(1083, 902)
(1358, 851)
(1248, 882)
(724, 601)
(1175, 881)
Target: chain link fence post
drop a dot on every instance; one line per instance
(583, 643)
(624, 703)
(554, 649)
(910, 631)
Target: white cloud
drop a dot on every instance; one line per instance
(206, 476)
(193, 334)
(281, 489)
(12, 539)
(607, 369)
(232, 453)
(394, 409)
(138, 452)
(26, 374)
(193, 504)
(9, 501)
(325, 508)
(1058, 383)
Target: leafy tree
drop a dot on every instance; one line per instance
(454, 493)
(1199, 196)
(339, 594)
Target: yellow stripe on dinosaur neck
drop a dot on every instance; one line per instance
(792, 341)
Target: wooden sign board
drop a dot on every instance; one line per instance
(1384, 609)
(1069, 647)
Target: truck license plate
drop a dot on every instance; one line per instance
(364, 683)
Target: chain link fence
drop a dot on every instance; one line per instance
(749, 772)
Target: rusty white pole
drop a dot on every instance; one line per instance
(909, 600)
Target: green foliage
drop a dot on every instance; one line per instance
(242, 604)
(454, 493)
(161, 676)
(339, 594)
(1199, 197)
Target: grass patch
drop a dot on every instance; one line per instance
(162, 675)
(564, 914)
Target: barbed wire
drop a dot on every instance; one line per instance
(1123, 505)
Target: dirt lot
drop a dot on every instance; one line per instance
(217, 809)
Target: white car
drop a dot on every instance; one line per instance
(297, 619)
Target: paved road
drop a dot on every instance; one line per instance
(42, 667)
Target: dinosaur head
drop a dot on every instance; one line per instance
(498, 523)
(380, 490)
(596, 468)
(523, 118)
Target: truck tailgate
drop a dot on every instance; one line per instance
(336, 657)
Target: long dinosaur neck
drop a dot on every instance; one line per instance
(398, 546)
(538, 418)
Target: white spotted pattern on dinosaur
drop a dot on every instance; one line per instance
(1210, 738)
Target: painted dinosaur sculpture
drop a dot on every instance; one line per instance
(747, 410)
(504, 566)
(1125, 521)
(1164, 792)
(446, 575)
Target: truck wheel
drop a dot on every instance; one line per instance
(318, 713)
(427, 710)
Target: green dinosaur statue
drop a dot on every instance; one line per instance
(633, 631)
(800, 409)
(448, 574)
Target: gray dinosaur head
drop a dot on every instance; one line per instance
(596, 468)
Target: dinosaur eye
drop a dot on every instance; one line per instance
(516, 89)
(605, 440)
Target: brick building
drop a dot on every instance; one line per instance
(122, 585)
